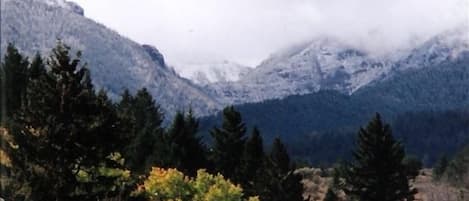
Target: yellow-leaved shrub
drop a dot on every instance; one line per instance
(172, 185)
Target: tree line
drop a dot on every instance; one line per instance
(65, 141)
(427, 103)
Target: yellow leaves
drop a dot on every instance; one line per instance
(172, 185)
(215, 188)
(4, 159)
(5, 140)
(164, 184)
(255, 198)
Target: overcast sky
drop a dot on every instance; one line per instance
(248, 31)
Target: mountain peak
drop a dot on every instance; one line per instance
(327, 63)
(115, 62)
(154, 54)
(68, 5)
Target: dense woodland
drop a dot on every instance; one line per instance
(64, 140)
(426, 107)
(427, 135)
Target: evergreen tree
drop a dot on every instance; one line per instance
(292, 188)
(253, 153)
(280, 158)
(37, 68)
(285, 184)
(378, 172)
(125, 112)
(14, 77)
(64, 129)
(186, 151)
(145, 147)
(228, 144)
(196, 157)
(253, 164)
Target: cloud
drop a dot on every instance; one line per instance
(248, 31)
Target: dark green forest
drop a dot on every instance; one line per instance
(427, 109)
(63, 139)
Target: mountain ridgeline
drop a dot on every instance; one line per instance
(312, 95)
(116, 62)
(327, 118)
(327, 63)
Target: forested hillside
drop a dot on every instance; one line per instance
(116, 62)
(62, 139)
(330, 116)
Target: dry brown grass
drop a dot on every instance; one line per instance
(316, 187)
(430, 190)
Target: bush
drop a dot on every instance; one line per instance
(173, 185)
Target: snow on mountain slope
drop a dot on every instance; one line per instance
(447, 45)
(327, 63)
(68, 5)
(208, 73)
(322, 64)
(115, 62)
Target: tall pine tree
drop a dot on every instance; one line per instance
(285, 184)
(378, 171)
(144, 118)
(253, 165)
(228, 145)
(186, 151)
(37, 68)
(280, 158)
(14, 78)
(63, 129)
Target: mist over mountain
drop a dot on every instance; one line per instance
(213, 72)
(322, 63)
(330, 64)
(206, 31)
(100, 103)
(313, 123)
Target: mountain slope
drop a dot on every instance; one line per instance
(115, 62)
(320, 127)
(320, 65)
(438, 87)
(329, 64)
(216, 72)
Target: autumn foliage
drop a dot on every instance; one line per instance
(173, 185)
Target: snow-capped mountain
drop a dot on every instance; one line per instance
(209, 73)
(445, 46)
(324, 63)
(68, 5)
(116, 62)
(327, 63)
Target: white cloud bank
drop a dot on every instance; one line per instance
(248, 31)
